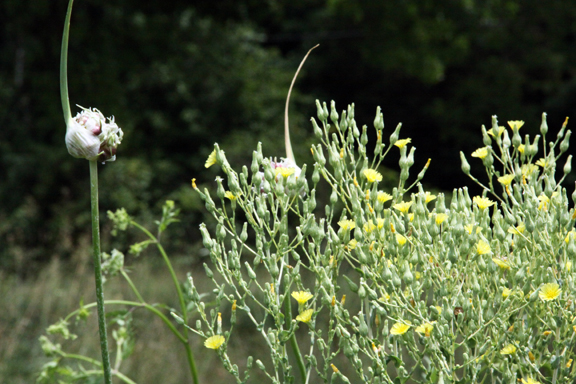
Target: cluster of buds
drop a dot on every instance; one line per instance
(90, 136)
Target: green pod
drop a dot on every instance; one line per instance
(209, 272)
(352, 285)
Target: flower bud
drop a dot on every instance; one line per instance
(90, 137)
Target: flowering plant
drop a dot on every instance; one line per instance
(398, 285)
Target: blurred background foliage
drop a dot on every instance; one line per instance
(180, 75)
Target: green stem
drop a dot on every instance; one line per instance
(149, 307)
(64, 67)
(189, 355)
(293, 341)
(98, 271)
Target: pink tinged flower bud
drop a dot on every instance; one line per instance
(90, 137)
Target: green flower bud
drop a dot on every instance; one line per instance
(465, 165)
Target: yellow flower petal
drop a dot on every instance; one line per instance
(302, 297)
(516, 123)
(506, 179)
(428, 197)
(425, 328)
(211, 160)
(347, 224)
(305, 316)
(402, 143)
(483, 247)
(214, 342)
(549, 291)
(230, 195)
(506, 292)
(403, 207)
(483, 202)
(383, 197)
(372, 175)
(400, 239)
(480, 152)
(284, 171)
(440, 218)
(399, 328)
(501, 263)
(508, 350)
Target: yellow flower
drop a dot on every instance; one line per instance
(380, 223)
(400, 328)
(386, 297)
(438, 308)
(383, 197)
(428, 197)
(521, 148)
(544, 200)
(483, 202)
(568, 266)
(440, 218)
(302, 297)
(480, 152)
(372, 175)
(530, 381)
(517, 230)
(400, 239)
(508, 350)
(499, 131)
(214, 342)
(501, 263)
(403, 207)
(284, 171)
(506, 179)
(211, 160)
(230, 195)
(347, 224)
(543, 162)
(352, 244)
(402, 143)
(550, 291)
(506, 292)
(528, 169)
(516, 123)
(470, 227)
(425, 328)
(483, 247)
(572, 234)
(305, 316)
(369, 226)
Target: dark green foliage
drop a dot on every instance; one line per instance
(179, 77)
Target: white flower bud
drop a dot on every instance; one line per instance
(90, 137)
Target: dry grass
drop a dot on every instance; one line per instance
(29, 306)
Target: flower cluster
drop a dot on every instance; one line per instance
(90, 136)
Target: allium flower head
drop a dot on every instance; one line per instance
(372, 175)
(90, 136)
(399, 328)
(302, 297)
(480, 152)
(549, 291)
(214, 342)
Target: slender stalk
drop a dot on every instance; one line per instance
(189, 355)
(98, 272)
(64, 67)
(293, 341)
